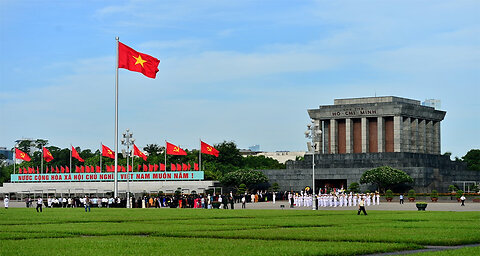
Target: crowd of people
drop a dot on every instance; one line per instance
(333, 199)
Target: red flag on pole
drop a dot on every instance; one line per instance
(195, 166)
(155, 167)
(162, 167)
(20, 171)
(108, 168)
(98, 168)
(47, 155)
(184, 167)
(145, 168)
(37, 170)
(173, 167)
(137, 152)
(135, 61)
(67, 169)
(175, 150)
(77, 169)
(139, 167)
(82, 169)
(150, 168)
(130, 168)
(87, 168)
(76, 155)
(46, 170)
(107, 152)
(56, 167)
(21, 155)
(207, 149)
(189, 167)
(179, 167)
(62, 169)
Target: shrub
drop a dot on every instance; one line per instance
(389, 194)
(354, 187)
(411, 193)
(434, 194)
(459, 193)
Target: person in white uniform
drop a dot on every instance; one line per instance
(6, 201)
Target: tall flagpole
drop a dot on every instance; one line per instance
(166, 156)
(71, 157)
(116, 126)
(101, 157)
(42, 158)
(14, 157)
(200, 156)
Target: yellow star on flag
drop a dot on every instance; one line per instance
(139, 60)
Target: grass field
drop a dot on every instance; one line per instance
(226, 232)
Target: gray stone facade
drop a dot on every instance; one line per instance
(364, 133)
(428, 171)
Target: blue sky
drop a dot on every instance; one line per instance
(245, 71)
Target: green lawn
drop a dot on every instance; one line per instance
(227, 232)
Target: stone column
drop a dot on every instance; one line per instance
(421, 136)
(333, 136)
(397, 133)
(429, 137)
(436, 138)
(414, 135)
(349, 135)
(407, 130)
(365, 136)
(381, 134)
(326, 130)
(318, 138)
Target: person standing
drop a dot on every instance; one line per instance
(463, 200)
(87, 204)
(243, 202)
(401, 198)
(361, 207)
(39, 203)
(231, 202)
(6, 201)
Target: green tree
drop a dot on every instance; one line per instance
(275, 187)
(248, 177)
(472, 158)
(262, 162)
(153, 149)
(385, 177)
(354, 187)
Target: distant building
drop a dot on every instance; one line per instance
(255, 148)
(8, 155)
(283, 156)
(436, 104)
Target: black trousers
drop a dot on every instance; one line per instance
(39, 206)
(401, 201)
(361, 208)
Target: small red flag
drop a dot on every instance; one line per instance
(46, 170)
(155, 167)
(175, 150)
(62, 169)
(37, 170)
(179, 167)
(184, 167)
(20, 171)
(145, 168)
(195, 166)
(82, 169)
(98, 168)
(56, 167)
(130, 168)
(162, 167)
(67, 169)
(189, 167)
(132, 60)
(150, 168)
(173, 167)
(77, 169)
(47, 155)
(25, 170)
(76, 155)
(207, 149)
(107, 152)
(139, 167)
(21, 155)
(137, 152)
(108, 168)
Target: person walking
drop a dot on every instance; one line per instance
(463, 200)
(401, 198)
(361, 207)
(6, 201)
(39, 203)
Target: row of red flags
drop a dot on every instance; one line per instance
(107, 152)
(110, 168)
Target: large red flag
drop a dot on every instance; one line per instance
(207, 149)
(47, 155)
(175, 150)
(21, 155)
(139, 153)
(107, 152)
(132, 60)
(76, 155)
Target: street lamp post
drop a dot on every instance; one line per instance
(127, 140)
(313, 133)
